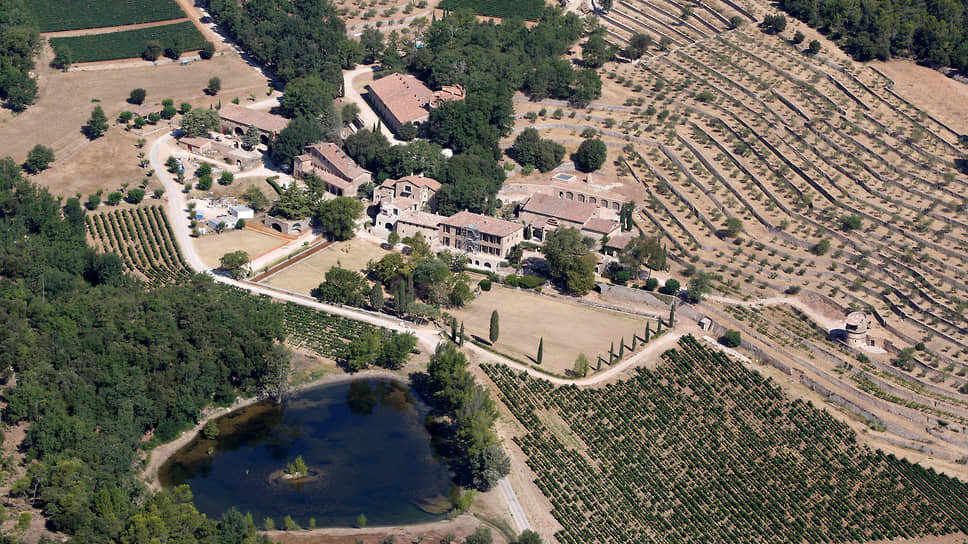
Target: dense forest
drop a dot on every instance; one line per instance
(19, 40)
(932, 31)
(99, 368)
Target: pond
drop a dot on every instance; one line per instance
(365, 448)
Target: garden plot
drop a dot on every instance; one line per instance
(211, 247)
(306, 275)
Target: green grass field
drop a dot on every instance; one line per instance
(528, 9)
(55, 15)
(130, 43)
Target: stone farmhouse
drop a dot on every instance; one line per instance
(407, 195)
(226, 152)
(419, 188)
(486, 241)
(401, 98)
(544, 213)
(410, 222)
(341, 175)
(237, 119)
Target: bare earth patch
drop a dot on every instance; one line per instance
(568, 328)
(306, 275)
(930, 90)
(211, 247)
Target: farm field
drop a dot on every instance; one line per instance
(57, 15)
(306, 275)
(527, 9)
(130, 43)
(211, 247)
(568, 328)
(66, 101)
(847, 189)
(144, 240)
(327, 335)
(702, 449)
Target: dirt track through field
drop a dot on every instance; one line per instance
(110, 29)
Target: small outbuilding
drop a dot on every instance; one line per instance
(242, 212)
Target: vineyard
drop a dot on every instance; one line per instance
(527, 9)
(704, 450)
(56, 15)
(144, 240)
(844, 191)
(325, 334)
(130, 43)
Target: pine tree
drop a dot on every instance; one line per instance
(97, 125)
(495, 330)
(540, 350)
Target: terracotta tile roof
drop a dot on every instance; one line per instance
(601, 226)
(194, 141)
(423, 219)
(341, 162)
(419, 181)
(405, 202)
(405, 96)
(487, 225)
(620, 241)
(450, 93)
(247, 116)
(335, 181)
(561, 208)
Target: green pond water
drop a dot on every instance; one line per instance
(364, 444)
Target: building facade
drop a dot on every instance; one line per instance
(486, 241)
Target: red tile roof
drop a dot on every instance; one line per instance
(341, 162)
(247, 116)
(601, 226)
(487, 225)
(423, 219)
(419, 181)
(405, 96)
(561, 208)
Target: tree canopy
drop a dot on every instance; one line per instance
(570, 261)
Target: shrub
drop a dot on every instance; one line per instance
(484, 284)
(731, 339)
(671, 287)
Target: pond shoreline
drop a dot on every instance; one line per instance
(157, 456)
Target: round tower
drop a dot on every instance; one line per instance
(856, 329)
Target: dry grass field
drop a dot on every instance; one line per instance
(67, 98)
(568, 328)
(211, 247)
(308, 274)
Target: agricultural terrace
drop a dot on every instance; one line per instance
(703, 450)
(325, 334)
(842, 189)
(57, 15)
(527, 9)
(131, 43)
(144, 240)
(568, 328)
(306, 275)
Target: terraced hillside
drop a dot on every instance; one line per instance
(704, 450)
(846, 193)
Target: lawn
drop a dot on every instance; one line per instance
(130, 43)
(568, 328)
(211, 247)
(528, 9)
(55, 15)
(306, 275)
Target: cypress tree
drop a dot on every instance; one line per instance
(453, 330)
(540, 350)
(461, 343)
(621, 348)
(635, 340)
(672, 315)
(495, 330)
(648, 332)
(611, 353)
